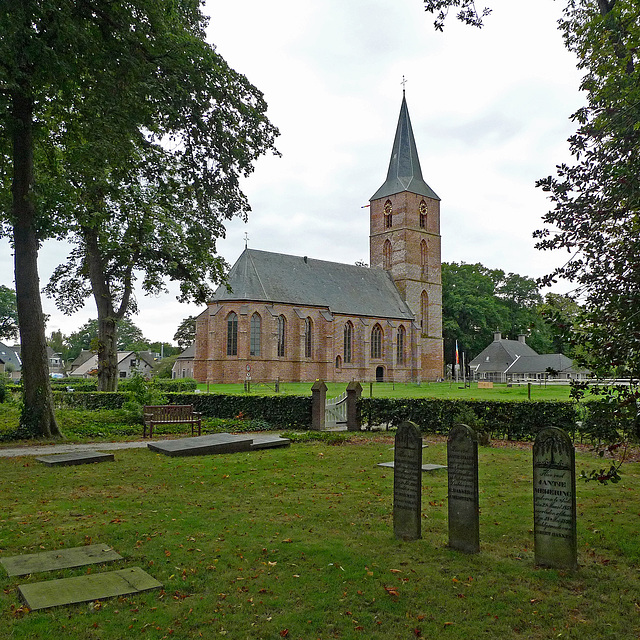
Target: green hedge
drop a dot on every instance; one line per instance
(291, 412)
(90, 400)
(177, 385)
(511, 420)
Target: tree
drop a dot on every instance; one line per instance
(130, 338)
(8, 313)
(186, 333)
(43, 44)
(145, 208)
(468, 13)
(596, 215)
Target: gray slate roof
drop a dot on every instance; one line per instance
(500, 354)
(404, 168)
(9, 355)
(540, 364)
(262, 276)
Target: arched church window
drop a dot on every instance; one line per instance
(308, 337)
(423, 210)
(400, 345)
(281, 335)
(424, 312)
(376, 342)
(232, 334)
(338, 362)
(386, 255)
(348, 340)
(255, 335)
(388, 215)
(424, 255)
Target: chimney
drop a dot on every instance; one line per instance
(497, 336)
(522, 338)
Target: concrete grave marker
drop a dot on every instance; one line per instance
(97, 586)
(217, 443)
(76, 457)
(407, 482)
(554, 500)
(59, 559)
(464, 510)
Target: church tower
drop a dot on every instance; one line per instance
(405, 241)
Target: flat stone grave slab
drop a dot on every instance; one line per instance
(59, 559)
(78, 457)
(98, 586)
(269, 442)
(425, 467)
(203, 445)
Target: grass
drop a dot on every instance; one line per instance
(298, 543)
(405, 390)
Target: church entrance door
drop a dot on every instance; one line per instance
(379, 374)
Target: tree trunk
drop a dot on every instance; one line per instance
(107, 320)
(37, 417)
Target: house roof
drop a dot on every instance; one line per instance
(500, 354)
(543, 362)
(262, 276)
(9, 355)
(189, 353)
(404, 172)
(91, 363)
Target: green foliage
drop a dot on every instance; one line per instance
(3, 389)
(186, 332)
(290, 412)
(510, 420)
(477, 301)
(87, 335)
(323, 437)
(8, 313)
(174, 385)
(140, 393)
(89, 400)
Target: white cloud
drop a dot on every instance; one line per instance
(489, 110)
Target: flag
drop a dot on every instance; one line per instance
(457, 354)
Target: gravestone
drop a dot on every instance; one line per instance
(65, 558)
(76, 457)
(97, 586)
(464, 510)
(407, 482)
(554, 500)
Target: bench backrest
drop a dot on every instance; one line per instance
(168, 411)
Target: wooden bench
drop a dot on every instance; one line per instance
(171, 414)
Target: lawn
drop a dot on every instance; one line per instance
(408, 390)
(298, 543)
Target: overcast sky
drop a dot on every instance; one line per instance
(490, 113)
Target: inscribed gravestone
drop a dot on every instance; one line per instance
(407, 482)
(462, 465)
(554, 500)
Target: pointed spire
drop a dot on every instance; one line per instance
(404, 168)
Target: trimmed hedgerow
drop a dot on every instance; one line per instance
(511, 420)
(291, 412)
(89, 400)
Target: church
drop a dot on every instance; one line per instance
(299, 319)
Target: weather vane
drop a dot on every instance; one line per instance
(246, 239)
(403, 83)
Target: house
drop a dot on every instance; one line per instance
(514, 360)
(10, 362)
(300, 319)
(129, 362)
(183, 366)
(56, 364)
